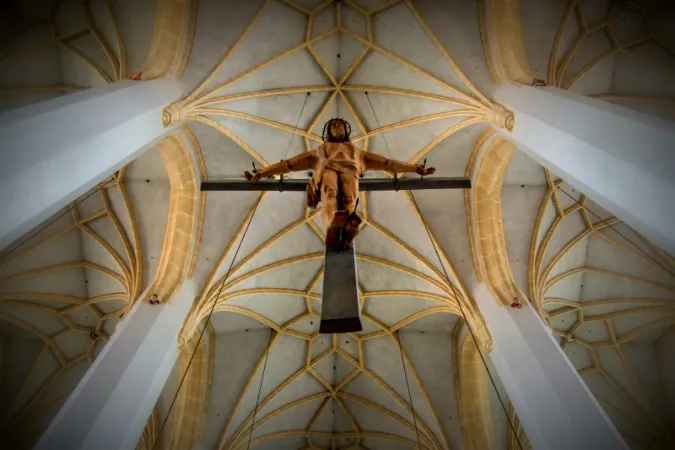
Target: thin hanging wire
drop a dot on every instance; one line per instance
(290, 141)
(208, 318)
(473, 336)
(53, 220)
(379, 126)
(605, 222)
(215, 301)
(262, 378)
(405, 372)
(455, 294)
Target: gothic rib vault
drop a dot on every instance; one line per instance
(329, 387)
(248, 72)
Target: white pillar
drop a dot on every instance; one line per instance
(112, 403)
(54, 151)
(622, 159)
(556, 408)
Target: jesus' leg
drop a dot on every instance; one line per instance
(349, 193)
(329, 193)
(332, 219)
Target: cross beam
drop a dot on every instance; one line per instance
(365, 184)
(340, 311)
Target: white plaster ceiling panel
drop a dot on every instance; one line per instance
(290, 383)
(392, 309)
(222, 216)
(328, 49)
(308, 325)
(55, 48)
(406, 144)
(575, 258)
(221, 155)
(150, 207)
(373, 243)
(301, 241)
(287, 277)
(233, 323)
(211, 37)
(67, 284)
(136, 21)
(429, 322)
(622, 233)
(268, 37)
(391, 109)
(275, 212)
(227, 378)
(324, 20)
(272, 144)
(283, 109)
(417, 47)
(37, 69)
(455, 24)
(639, 356)
(518, 219)
(445, 214)
(278, 308)
(297, 69)
(616, 51)
(304, 386)
(298, 417)
(377, 277)
(354, 20)
(430, 352)
(603, 254)
(503, 435)
(602, 288)
(451, 156)
(571, 226)
(394, 213)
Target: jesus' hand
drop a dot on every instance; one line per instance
(420, 170)
(252, 178)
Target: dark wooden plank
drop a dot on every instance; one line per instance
(365, 184)
(340, 312)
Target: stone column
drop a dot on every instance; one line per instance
(112, 403)
(622, 159)
(554, 405)
(53, 152)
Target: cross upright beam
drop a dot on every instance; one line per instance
(365, 184)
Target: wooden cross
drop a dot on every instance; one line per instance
(340, 312)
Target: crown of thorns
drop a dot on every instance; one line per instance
(348, 128)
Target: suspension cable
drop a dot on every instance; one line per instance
(290, 141)
(405, 372)
(606, 222)
(208, 318)
(454, 292)
(262, 377)
(215, 301)
(53, 220)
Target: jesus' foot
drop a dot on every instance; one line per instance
(335, 230)
(350, 230)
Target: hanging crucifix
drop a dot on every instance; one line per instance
(337, 165)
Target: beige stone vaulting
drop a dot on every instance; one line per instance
(261, 77)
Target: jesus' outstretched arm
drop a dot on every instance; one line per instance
(303, 161)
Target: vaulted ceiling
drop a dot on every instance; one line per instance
(412, 79)
(267, 99)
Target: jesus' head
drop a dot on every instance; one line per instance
(338, 130)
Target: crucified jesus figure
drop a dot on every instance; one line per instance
(337, 164)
